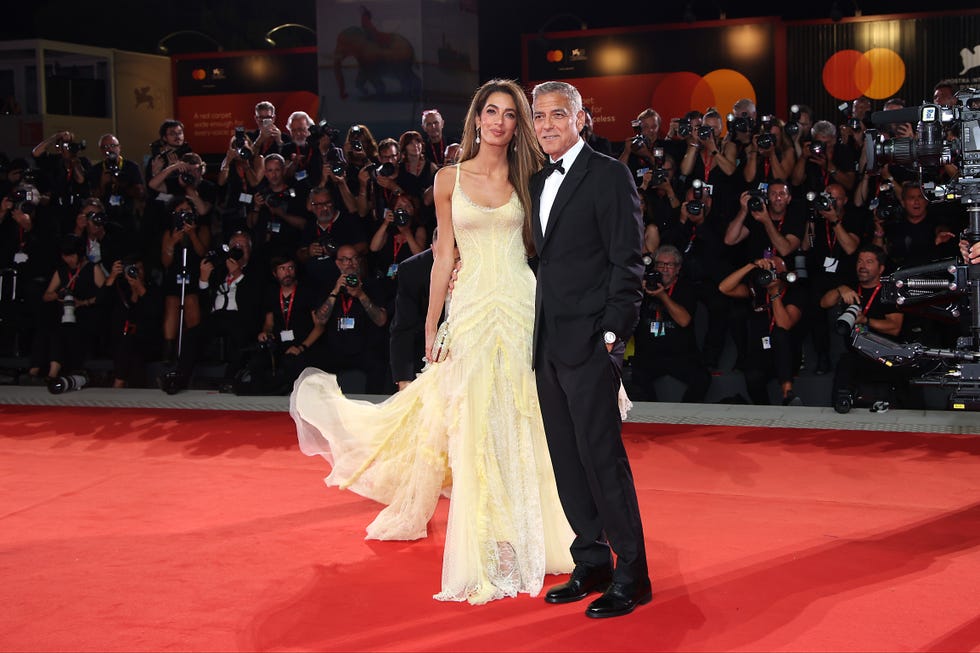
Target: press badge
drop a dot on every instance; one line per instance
(392, 270)
(115, 200)
(275, 227)
(830, 264)
(245, 198)
(300, 175)
(345, 324)
(766, 342)
(20, 257)
(286, 335)
(164, 197)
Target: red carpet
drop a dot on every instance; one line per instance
(182, 530)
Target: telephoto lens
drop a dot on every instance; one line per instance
(61, 384)
(845, 323)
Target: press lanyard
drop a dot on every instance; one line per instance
(286, 303)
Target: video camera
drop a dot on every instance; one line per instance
(941, 288)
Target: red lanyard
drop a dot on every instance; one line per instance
(765, 169)
(830, 243)
(320, 231)
(72, 278)
(772, 314)
(345, 304)
(873, 295)
(709, 161)
(670, 293)
(436, 152)
(397, 243)
(286, 307)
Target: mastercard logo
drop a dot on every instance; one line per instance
(678, 93)
(554, 56)
(199, 74)
(877, 73)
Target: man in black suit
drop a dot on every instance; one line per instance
(407, 335)
(588, 236)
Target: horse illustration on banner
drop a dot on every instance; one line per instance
(378, 55)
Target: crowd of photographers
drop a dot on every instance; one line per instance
(289, 255)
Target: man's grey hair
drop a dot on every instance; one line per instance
(824, 128)
(570, 92)
(299, 114)
(744, 106)
(266, 106)
(671, 251)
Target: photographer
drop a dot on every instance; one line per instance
(870, 312)
(276, 220)
(298, 152)
(596, 142)
(831, 242)
(823, 162)
(329, 228)
(63, 175)
(638, 152)
(659, 190)
(775, 308)
(69, 326)
(706, 263)
(714, 160)
(118, 183)
(286, 338)
(135, 312)
(398, 237)
(239, 174)
(776, 227)
(434, 148)
(182, 247)
(664, 337)
(914, 236)
(185, 178)
(770, 155)
(415, 174)
(168, 149)
(267, 138)
(361, 154)
(25, 254)
(354, 318)
(380, 182)
(90, 227)
(231, 290)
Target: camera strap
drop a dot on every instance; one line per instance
(346, 302)
(286, 303)
(872, 298)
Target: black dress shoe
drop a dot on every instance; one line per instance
(584, 580)
(620, 599)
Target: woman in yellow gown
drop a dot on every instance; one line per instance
(471, 421)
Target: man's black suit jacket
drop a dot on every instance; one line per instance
(407, 336)
(589, 258)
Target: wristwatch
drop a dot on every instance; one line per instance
(609, 337)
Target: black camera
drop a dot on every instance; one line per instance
(223, 253)
(401, 218)
(757, 201)
(352, 280)
(356, 145)
(792, 127)
(338, 169)
(239, 144)
(765, 141)
(639, 141)
(684, 128)
(705, 132)
(845, 323)
(760, 278)
(355, 138)
(887, 205)
(72, 146)
(112, 163)
(742, 124)
(824, 202)
(386, 169)
(188, 179)
(855, 124)
(651, 275)
(817, 148)
(98, 218)
(279, 199)
(184, 217)
(329, 246)
(659, 176)
(132, 271)
(322, 129)
(695, 206)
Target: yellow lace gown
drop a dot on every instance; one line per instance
(472, 422)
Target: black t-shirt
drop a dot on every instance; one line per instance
(761, 321)
(657, 335)
(911, 244)
(349, 331)
(291, 312)
(758, 243)
(829, 264)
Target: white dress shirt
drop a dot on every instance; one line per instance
(553, 183)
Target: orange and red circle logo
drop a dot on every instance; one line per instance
(877, 73)
(199, 74)
(678, 93)
(554, 56)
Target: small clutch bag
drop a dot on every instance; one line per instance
(440, 347)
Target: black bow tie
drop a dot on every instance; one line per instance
(551, 167)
